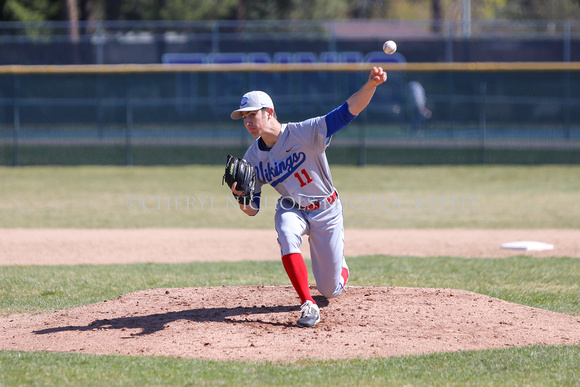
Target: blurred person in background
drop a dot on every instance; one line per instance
(417, 106)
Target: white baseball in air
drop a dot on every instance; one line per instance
(389, 47)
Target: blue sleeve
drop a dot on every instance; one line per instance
(338, 119)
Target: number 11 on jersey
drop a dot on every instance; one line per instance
(306, 176)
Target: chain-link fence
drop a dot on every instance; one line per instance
(166, 115)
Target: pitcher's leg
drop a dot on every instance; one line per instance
(327, 251)
(290, 227)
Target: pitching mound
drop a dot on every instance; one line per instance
(258, 323)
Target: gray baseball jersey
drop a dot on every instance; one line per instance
(297, 168)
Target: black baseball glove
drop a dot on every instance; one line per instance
(242, 172)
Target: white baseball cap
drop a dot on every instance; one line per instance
(252, 101)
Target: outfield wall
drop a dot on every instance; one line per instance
(482, 113)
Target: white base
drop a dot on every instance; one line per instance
(528, 246)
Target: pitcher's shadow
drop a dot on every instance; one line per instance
(155, 322)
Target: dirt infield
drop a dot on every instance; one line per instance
(258, 322)
(72, 246)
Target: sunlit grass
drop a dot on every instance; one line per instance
(373, 197)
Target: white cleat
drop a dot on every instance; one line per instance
(310, 315)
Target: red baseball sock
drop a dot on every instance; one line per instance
(298, 273)
(344, 276)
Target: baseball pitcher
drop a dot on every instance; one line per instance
(291, 158)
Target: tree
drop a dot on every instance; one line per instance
(112, 9)
(436, 10)
(541, 10)
(72, 15)
(202, 10)
(436, 15)
(31, 10)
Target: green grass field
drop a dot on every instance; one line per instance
(529, 366)
(94, 197)
(549, 283)
(373, 197)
